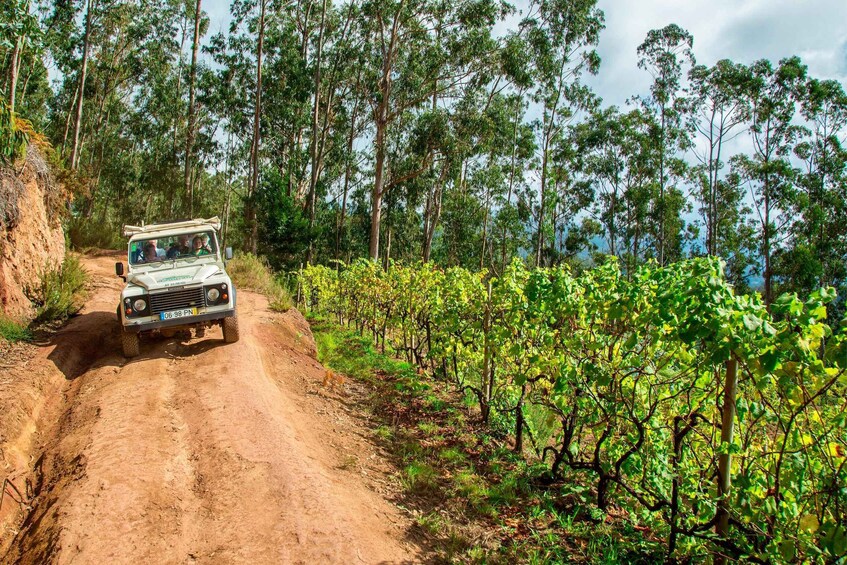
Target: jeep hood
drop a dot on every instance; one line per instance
(179, 276)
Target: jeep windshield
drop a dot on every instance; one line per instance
(158, 249)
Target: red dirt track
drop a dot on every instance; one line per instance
(193, 452)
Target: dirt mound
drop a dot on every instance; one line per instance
(31, 236)
(198, 451)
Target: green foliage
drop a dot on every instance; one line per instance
(12, 331)
(60, 292)
(283, 225)
(85, 234)
(13, 140)
(253, 273)
(618, 379)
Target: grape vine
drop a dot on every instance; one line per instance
(650, 386)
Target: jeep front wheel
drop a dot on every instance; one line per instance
(130, 343)
(230, 327)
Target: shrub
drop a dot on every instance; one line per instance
(13, 138)
(253, 273)
(60, 292)
(86, 234)
(12, 331)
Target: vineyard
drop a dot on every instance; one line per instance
(712, 422)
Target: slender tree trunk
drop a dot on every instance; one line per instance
(13, 72)
(434, 214)
(68, 121)
(662, 193)
(540, 235)
(377, 193)
(511, 173)
(192, 113)
(313, 179)
(381, 119)
(254, 150)
(86, 46)
(178, 91)
(347, 172)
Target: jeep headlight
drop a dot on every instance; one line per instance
(213, 294)
(139, 305)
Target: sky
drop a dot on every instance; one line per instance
(741, 30)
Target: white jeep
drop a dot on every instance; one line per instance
(175, 281)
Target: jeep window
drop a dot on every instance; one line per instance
(172, 247)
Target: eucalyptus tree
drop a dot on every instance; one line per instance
(769, 173)
(192, 110)
(561, 36)
(719, 109)
(610, 149)
(665, 54)
(20, 41)
(817, 252)
(416, 50)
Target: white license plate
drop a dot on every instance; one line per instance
(177, 314)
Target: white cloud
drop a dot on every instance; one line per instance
(816, 30)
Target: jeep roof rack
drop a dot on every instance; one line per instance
(214, 221)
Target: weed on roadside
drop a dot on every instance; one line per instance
(12, 331)
(253, 273)
(60, 292)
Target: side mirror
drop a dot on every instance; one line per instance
(119, 269)
(228, 253)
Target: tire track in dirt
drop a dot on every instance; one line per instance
(201, 452)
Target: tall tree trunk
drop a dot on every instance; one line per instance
(254, 149)
(178, 93)
(539, 242)
(68, 122)
(347, 168)
(376, 195)
(86, 46)
(313, 179)
(13, 72)
(192, 114)
(433, 214)
(381, 122)
(511, 173)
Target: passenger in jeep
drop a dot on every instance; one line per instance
(180, 247)
(198, 248)
(150, 254)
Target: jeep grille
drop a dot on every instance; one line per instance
(177, 299)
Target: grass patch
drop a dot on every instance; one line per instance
(12, 331)
(419, 478)
(253, 273)
(60, 292)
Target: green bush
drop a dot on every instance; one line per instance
(13, 139)
(11, 330)
(253, 273)
(60, 292)
(86, 234)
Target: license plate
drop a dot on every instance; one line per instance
(177, 314)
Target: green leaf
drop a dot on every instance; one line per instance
(809, 523)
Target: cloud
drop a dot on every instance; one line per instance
(816, 30)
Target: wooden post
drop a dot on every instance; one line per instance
(725, 459)
(486, 359)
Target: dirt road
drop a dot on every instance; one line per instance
(193, 452)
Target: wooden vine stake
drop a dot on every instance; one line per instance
(725, 459)
(487, 381)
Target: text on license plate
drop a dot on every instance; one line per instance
(177, 314)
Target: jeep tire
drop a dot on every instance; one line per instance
(230, 328)
(130, 343)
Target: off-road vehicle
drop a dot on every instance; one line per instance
(176, 281)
